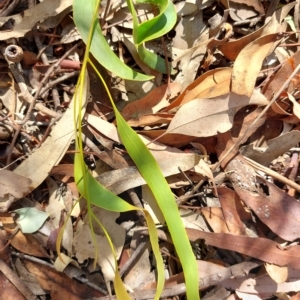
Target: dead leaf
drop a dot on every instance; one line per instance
(232, 49)
(211, 84)
(275, 147)
(231, 207)
(26, 20)
(104, 127)
(12, 188)
(260, 248)
(59, 285)
(278, 274)
(152, 102)
(28, 244)
(215, 218)
(296, 106)
(249, 61)
(207, 117)
(281, 75)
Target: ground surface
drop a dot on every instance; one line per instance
(223, 123)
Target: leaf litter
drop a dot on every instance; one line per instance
(232, 164)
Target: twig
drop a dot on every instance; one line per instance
(272, 173)
(133, 258)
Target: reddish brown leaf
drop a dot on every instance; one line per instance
(260, 248)
(229, 200)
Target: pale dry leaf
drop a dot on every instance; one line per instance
(104, 127)
(277, 273)
(296, 105)
(249, 61)
(26, 20)
(83, 243)
(207, 117)
(39, 164)
(60, 265)
(12, 187)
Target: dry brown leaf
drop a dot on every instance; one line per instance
(28, 244)
(150, 120)
(207, 117)
(60, 285)
(215, 218)
(209, 85)
(260, 248)
(229, 202)
(169, 139)
(83, 243)
(104, 127)
(281, 75)
(267, 201)
(232, 49)
(152, 103)
(256, 4)
(249, 61)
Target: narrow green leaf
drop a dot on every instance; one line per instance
(151, 172)
(83, 18)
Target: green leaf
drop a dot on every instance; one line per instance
(152, 29)
(151, 172)
(31, 219)
(83, 17)
(159, 25)
(153, 60)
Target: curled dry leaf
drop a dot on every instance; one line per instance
(211, 84)
(207, 117)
